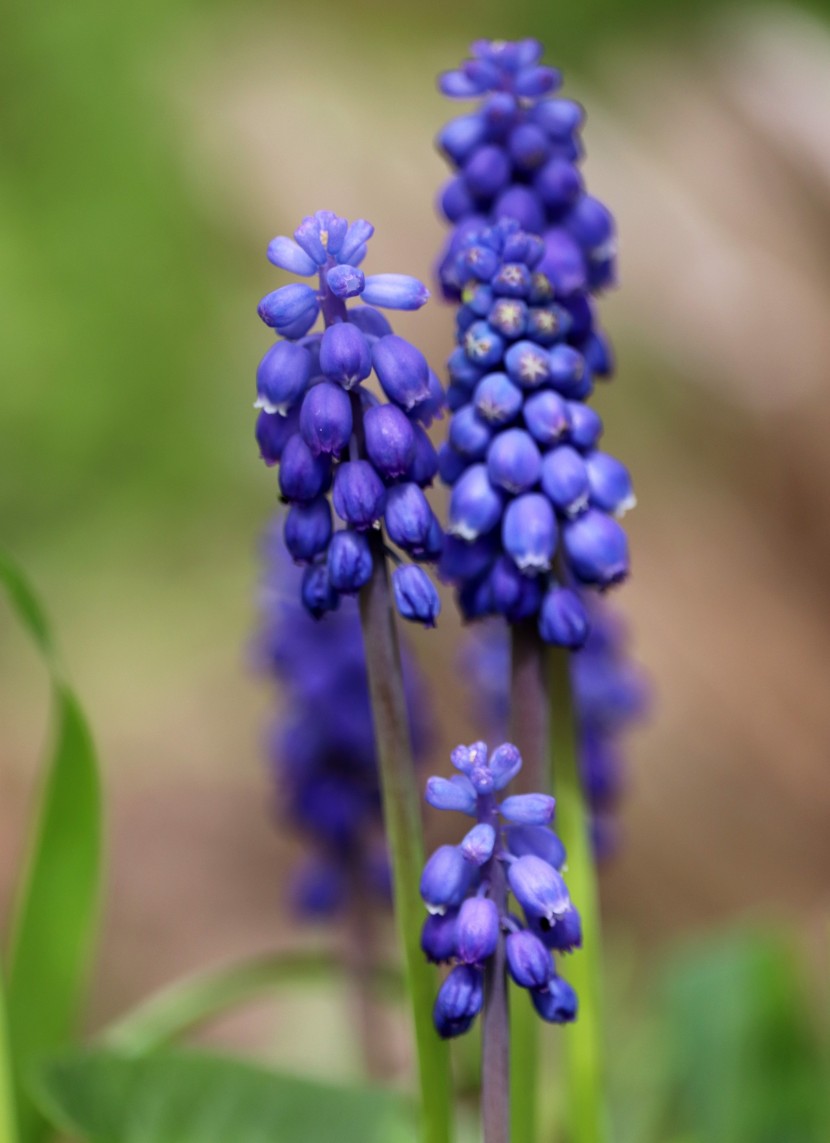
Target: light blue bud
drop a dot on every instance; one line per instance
(390, 439)
(402, 371)
(557, 1003)
(538, 888)
(475, 505)
(307, 529)
(359, 494)
(345, 281)
(528, 809)
(529, 532)
(349, 561)
(282, 377)
(477, 934)
(446, 879)
(286, 254)
(415, 596)
(291, 310)
(395, 292)
(528, 961)
(479, 843)
(356, 238)
(563, 620)
(455, 793)
(345, 356)
(596, 548)
(505, 764)
(326, 418)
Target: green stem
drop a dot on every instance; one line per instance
(185, 1005)
(529, 732)
(402, 819)
(8, 1115)
(582, 1042)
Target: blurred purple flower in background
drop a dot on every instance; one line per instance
(321, 746)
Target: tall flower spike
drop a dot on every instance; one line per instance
(330, 435)
(322, 747)
(516, 155)
(534, 502)
(465, 924)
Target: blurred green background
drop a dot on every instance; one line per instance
(149, 152)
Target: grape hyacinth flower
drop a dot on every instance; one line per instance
(322, 748)
(336, 443)
(516, 155)
(512, 839)
(534, 506)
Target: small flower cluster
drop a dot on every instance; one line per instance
(465, 923)
(610, 694)
(517, 157)
(322, 746)
(328, 432)
(522, 454)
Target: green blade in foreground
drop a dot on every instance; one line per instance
(57, 902)
(8, 1112)
(190, 1097)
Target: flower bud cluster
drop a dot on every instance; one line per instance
(335, 442)
(321, 746)
(534, 502)
(465, 924)
(516, 156)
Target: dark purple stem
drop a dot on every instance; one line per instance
(495, 1030)
(529, 714)
(529, 732)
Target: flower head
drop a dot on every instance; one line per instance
(512, 838)
(530, 488)
(335, 443)
(516, 155)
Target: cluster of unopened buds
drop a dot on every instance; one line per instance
(329, 433)
(516, 156)
(511, 838)
(534, 501)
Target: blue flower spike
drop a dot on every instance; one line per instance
(465, 925)
(528, 248)
(526, 477)
(329, 434)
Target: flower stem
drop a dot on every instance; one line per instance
(361, 958)
(582, 1043)
(495, 1030)
(402, 819)
(8, 1114)
(529, 732)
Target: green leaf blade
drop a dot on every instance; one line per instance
(57, 902)
(191, 1097)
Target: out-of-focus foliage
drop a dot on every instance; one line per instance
(99, 1097)
(733, 1046)
(51, 938)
